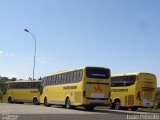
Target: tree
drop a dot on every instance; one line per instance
(40, 78)
(14, 79)
(1, 87)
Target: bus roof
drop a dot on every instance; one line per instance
(128, 74)
(63, 71)
(17, 81)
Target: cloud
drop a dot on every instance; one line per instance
(43, 60)
(1, 52)
(9, 75)
(6, 54)
(13, 55)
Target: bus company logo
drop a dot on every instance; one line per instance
(9, 117)
(143, 117)
(69, 87)
(119, 90)
(97, 88)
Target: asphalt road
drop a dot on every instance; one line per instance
(39, 112)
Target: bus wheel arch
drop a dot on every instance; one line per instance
(117, 104)
(10, 99)
(35, 101)
(45, 102)
(67, 103)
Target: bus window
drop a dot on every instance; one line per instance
(97, 73)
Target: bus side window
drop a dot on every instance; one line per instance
(47, 81)
(9, 86)
(34, 85)
(42, 83)
(55, 79)
(15, 86)
(65, 78)
(81, 74)
(26, 85)
(75, 76)
(21, 85)
(31, 85)
(78, 75)
(60, 78)
(68, 77)
(52, 80)
(71, 77)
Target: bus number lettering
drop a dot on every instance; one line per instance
(119, 90)
(69, 87)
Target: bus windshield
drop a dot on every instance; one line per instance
(101, 73)
(123, 81)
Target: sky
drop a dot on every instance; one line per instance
(123, 35)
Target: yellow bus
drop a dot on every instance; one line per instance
(133, 90)
(22, 91)
(86, 86)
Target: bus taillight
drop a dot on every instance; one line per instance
(84, 93)
(109, 94)
(138, 96)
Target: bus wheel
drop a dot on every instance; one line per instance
(91, 108)
(68, 103)
(134, 108)
(45, 103)
(10, 100)
(117, 105)
(35, 101)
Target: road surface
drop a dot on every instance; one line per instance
(40, 112)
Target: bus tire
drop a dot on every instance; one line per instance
(90, 108)
(45, 103)
(10, 100)
(117, 105)
(111, 106)
(134, 108)
(124, 108)
(35, 101)
(68, 103)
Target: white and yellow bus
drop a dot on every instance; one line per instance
(86, 86)
(133, 90)
(22, 91)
